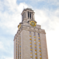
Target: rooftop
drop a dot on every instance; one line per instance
(27, 9)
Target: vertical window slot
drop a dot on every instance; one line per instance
(28, 14)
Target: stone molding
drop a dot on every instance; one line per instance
(29, 28)
(17, 34)
(33, 29)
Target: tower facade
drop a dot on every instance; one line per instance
(30, 39)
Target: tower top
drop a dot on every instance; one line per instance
(27, 9)
(27, 15)
(27, 18)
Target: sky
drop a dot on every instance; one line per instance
(46, 15)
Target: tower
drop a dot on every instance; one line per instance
(30, 39)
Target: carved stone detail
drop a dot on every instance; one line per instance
(33, 29)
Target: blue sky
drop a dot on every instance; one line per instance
(46, 15)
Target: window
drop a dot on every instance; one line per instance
(35, 57)
(30, 44)
(30, 39)
(39, 47)
(34, 39)
(40, 54)
(40, 58)
(35, 50)
(31, 56)
(39, 40)
(35, 53)
(34, 33)
(30, 47)
(39, 50)
(39, 44)
(31, 53)
(30, 50)
(28, 14)
(39, 37)
(30, 32)
(30, 35)
(38, 33)
(35, 44)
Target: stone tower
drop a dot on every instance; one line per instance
(30, 39)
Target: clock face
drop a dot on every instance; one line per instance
(33, 23)
(19, 26)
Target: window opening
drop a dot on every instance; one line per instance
(28, 14)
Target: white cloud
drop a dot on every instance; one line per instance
(12, 16)
(8, 58)
(1, 46)
(6, 47)
(40, 16)
(50, 2)
(4, 57)
(48, 18)
(52, 43)
(53, 2)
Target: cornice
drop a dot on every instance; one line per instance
(29, 28)
(17, 34)
(33, 29)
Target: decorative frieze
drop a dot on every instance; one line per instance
(34, 29)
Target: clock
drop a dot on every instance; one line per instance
(33, 23)
(19, 26)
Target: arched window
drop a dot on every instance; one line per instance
(28, 14)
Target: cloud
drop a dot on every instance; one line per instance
(4, 57)
(52, 43)
(6, 47)
(52, 2)
(1, 46)
(10, 18)
(48, 18)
